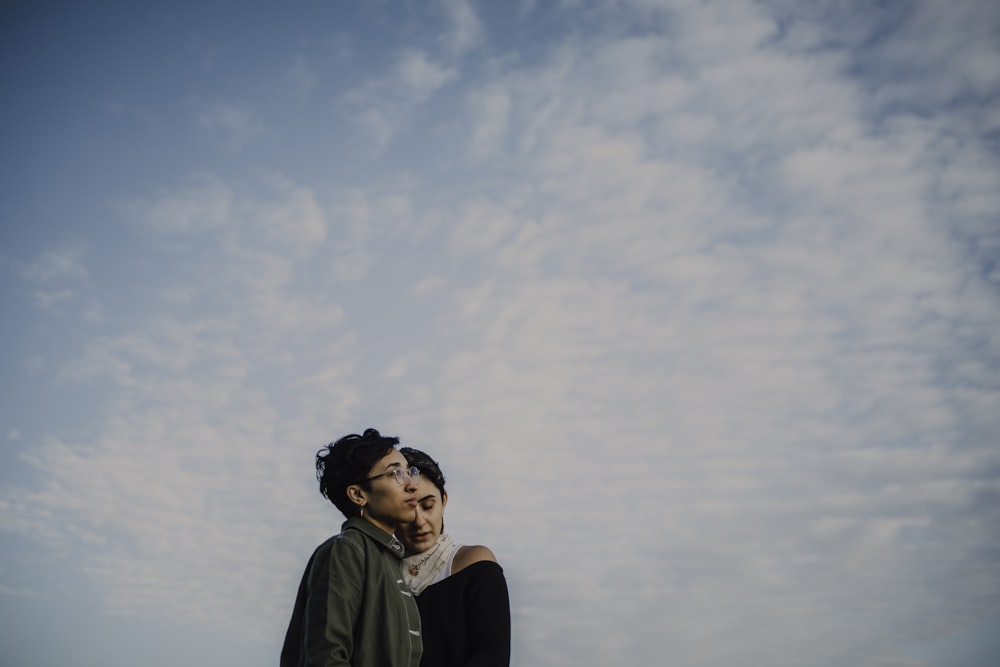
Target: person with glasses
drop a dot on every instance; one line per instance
(461, 590)
(352, 606)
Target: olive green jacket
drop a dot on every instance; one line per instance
(353, 607)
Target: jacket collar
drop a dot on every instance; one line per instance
(388, 541)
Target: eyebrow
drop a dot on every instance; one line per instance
(394, 464)
(429, 496)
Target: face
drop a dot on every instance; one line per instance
(387, 503)
(423, 531)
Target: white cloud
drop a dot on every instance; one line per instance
(178, 462)
(297, 223)
(385, 104)
(202, 206)
(940, 54)
(481, 228)
(238, 122)
(780, 346)
(428, 285)
(55, 266)
(55, 277)
(490, 110)
(420, 77)
(702, 345)
(467, 29)
(377, 127)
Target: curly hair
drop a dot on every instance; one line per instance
(348, 461)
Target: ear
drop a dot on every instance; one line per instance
(444, 499)
(357, 495)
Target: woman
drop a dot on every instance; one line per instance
(462, 593)
(352, 607)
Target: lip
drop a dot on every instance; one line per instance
(412, 502)
(421, 537)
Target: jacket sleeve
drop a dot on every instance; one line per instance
(291, 650)
(488, 614)
(335, 594)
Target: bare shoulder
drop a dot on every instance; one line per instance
(469, 554)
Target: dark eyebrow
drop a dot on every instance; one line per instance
(394, 464)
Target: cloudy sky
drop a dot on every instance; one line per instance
(698, 304)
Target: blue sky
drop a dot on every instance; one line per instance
(696, 303)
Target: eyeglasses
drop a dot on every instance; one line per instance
(401, 475)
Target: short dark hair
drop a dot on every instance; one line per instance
(427, 466)
(348, 461)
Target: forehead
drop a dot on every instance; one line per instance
(392, 459)
(427, 488)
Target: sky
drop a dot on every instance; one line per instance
(696, 303)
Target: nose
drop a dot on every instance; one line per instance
(411, 484)
(420, 520)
